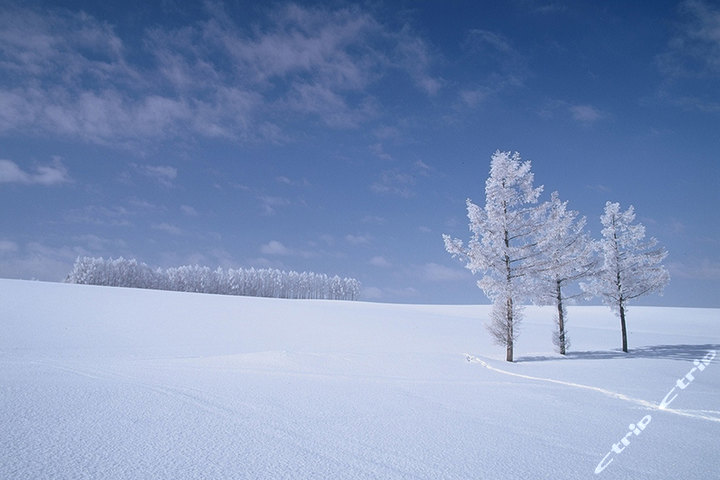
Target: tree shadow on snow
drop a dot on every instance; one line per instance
(663, 352)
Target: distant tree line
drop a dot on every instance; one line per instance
(121, 272)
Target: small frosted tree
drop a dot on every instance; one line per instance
(631, 266)
(502, 246)
(568, 256)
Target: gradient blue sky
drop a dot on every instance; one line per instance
(344, 138)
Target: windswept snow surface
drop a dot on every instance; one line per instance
(104, 383)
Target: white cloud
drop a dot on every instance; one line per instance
(270, 203)
(704, 269)
(277, 248)
(599, 188)
(690, 64)
(329, 240)
(306, 40)
(73, 75)
(101, 246)
(440, 273)
(381, 262)
(394, 182)
(485, 40)
(116, 216)
(358, 239)
(6, 246)
(495, 54)
(416, 58)
(372, 293)
(585, 113)
(401, 182)
(694, 50)
(35, 260)
(474, 97)
(167, 228)
(374, 219)
(188, 210)
(52, 174)
(407, 292)
(163, 174)
(303, 182)
(273, 247)
(329, 106)
(379, 151)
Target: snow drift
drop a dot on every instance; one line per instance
(100, 382)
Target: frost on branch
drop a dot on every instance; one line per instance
(502, 245)
(568, 255)
(631, 266)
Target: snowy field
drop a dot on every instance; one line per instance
(105, 383)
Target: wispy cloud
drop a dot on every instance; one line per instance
(101, 245)
(6, 246)
(379, 151)
(52, 174)
(72, 75)
(489, 42)
(691, 60)
(414, 56)
(37, 260)
(270, 203)
(303, 182)
(394, 182)
(495, 54)
(474, 97)
(274, 247)
(704, 269)
(379, 261)
(600, 188)
(358, 239)
(585, 113)
(694, 50)
(189, 211)
(400, 182)
(167, 228)
(114, 216)
(440, 273)
(163, 174)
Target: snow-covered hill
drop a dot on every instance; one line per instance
(102, 382)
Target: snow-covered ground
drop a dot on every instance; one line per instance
(102, 383)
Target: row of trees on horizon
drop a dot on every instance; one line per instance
(121, 272)
(531, 251)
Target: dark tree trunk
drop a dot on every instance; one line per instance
(622, 327)
(509, 305)
(510, 324)
(561, 320)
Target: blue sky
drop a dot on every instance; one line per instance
(344, 138)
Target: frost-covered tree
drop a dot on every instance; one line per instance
(631, 266)
(194, 278)
(503, 243)
(568, 256)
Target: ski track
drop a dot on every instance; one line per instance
(609, 393)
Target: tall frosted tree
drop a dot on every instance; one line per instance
(631, 266)
(503, 246)
(568, 256)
